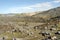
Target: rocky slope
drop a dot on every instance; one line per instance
(30, 26)
(49, 13)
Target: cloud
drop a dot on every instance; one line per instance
(31, 8)
(46, 4)
(56, 1)
(18, 9)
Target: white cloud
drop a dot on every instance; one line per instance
(31, 8)
(57, 1)
(18, 9)
(46, 4)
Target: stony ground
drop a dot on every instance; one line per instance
(28, 31)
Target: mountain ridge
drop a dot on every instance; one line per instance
(49, 13)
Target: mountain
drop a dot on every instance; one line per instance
(32, 16)
(49, 13)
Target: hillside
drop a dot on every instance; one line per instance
(30, 26)
(49, 13)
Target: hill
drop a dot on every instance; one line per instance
(49, 13)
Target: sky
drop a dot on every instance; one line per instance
(21, 6)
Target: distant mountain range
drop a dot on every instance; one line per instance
(32, 16)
